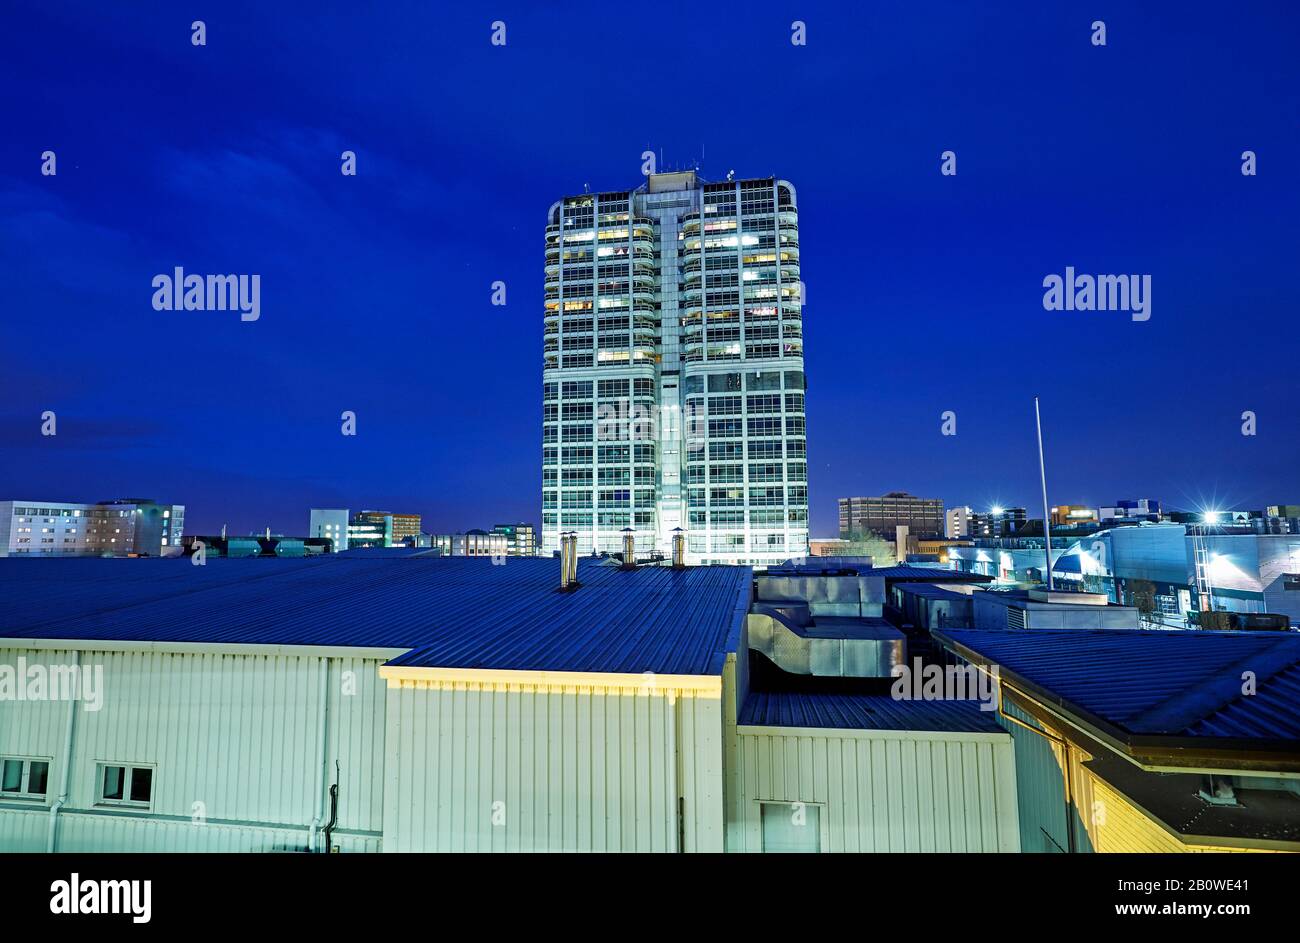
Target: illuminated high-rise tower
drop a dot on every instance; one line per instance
(673, 389)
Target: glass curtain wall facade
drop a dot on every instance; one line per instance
(673, 381)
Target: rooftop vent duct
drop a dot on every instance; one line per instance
(568, 560)
(629, 548)
(679, 548)
(573, 559)
(828, 646)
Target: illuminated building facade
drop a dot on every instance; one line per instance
(883, 515)
(131, 526)
(673, 371)
(521, 539)
(402, 526)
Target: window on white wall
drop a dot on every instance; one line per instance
(791, 827)
(23, 777)
(130, 786)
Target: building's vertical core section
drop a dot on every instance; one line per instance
(673, 389)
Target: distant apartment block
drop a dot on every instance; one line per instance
(957, 523)
(998, 522)
(521, 539)
(885, 514)
(129, 526)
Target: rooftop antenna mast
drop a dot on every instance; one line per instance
(1047, 514)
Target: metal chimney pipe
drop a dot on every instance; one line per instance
(573, 560)
(567, 544)
(629, 548)
(679, 549)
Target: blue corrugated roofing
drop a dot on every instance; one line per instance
(459, 612)
(1175, 683)
(811, 566)
(865, 712)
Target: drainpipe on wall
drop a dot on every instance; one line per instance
(65, 774)
(321, 738)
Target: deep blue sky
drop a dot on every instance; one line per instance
(924, 291)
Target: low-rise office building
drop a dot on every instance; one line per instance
(521, 539)
(398, 527)
(962, 522)
(1154, 566)
(1073, 515)
(472, 543)
(1007, 560)
(364, 529)
(827, 546)
(998, 522)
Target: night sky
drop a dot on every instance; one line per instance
(924, 291)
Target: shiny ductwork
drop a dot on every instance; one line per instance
(846, 595)
(679, 548)
(568, 561)
(794, 640)
(629, 549)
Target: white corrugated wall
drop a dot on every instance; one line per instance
(879, 790)
(552, 767)
(234, 739)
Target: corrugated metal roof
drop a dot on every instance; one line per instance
(1177, 683)
(459, 612)
(811, 566)
(864, 712)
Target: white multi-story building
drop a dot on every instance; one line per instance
(331, 523)
(957, 522)
(673, 371)
(109, 528)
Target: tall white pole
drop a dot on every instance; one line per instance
(1047, 513)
